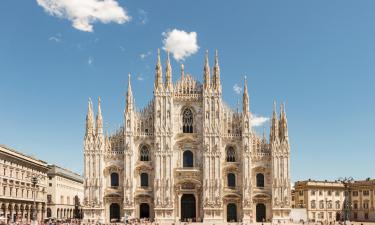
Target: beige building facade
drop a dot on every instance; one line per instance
(326, 200)
(64, 189)
(16, 189)
(186, 156)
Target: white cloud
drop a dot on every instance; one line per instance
(83, 13)
(257, 121)
(180, 43)
(143, 18)
(144, 55)
(55, 39)
(140, 77)
(237, 89)
(90, 61)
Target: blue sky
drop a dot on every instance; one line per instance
(317, 56)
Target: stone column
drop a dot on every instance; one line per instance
(6, 211)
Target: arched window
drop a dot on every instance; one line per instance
(144, 180)
(231, 180)
(231, 154)
(114, 180)
(49, 213)
(188, 159)
(144, 153)
(260, 180)
(187, 121)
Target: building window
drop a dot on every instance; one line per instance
(231, 180)
(144, 180)
(329, 193)
(366, 216)
(313, 204)
(260, 180)
(355, 193)
(61, 199)
(365, 205)
(145, 153)
(188, 159)
(320, 192)
(50, 178)
(187, 121)
(355, 205)
(231, 154)
(313, 192)
(321, 204)
(49, 199)
(338, 205)
(114, 180)
(50, 184)
(329, 205)
(337, 193)
(300, 193)
(366, 193)
(355, 215)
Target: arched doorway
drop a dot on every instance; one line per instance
(231, 212)
(338, 217)
(188, 207)
(49, 213)
(114, 212)
(261, 212)
(144, 211)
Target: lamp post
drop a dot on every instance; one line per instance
(34, 180)
(347, 201)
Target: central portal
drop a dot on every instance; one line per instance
(188, 208)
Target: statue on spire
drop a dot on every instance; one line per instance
(216, 79)
(129, 96)
(168, 73)
(99, 119)
(89, 119)
(207, 78)
(158, 73)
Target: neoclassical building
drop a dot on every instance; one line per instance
(64, 193)
(186, 156)
(17, 192)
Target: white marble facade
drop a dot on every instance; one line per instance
(186, 155)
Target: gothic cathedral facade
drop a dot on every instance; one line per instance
(186, 156)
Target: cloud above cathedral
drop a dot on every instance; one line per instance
(257, 121)
(237, 89)
(84, 13)
(180, 43)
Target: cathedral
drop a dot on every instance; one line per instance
(186, 156)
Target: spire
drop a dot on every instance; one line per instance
(216, 79)
(206, 72)
(283, 122)
(182, 71)
(168, 73)
(158, 73)
(89, 119)
(274, 132)
(245, 99)
(99, 119)
(129, 96)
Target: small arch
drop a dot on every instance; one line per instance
(260, 180)
(231, 154)
(260, 212)
(188, 159)
(114, 180)
(144, 211)
(231, 212)
(231, 177)
(144, 153)
(187, 121)
(49, 213)
(114, 212)
(144, 180)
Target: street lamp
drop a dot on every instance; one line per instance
(34, 180)
(347, 201)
